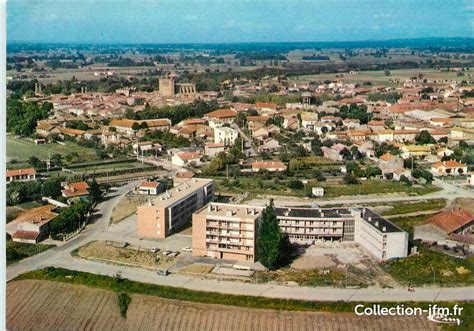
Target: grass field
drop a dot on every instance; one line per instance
(43, 305)
(375, 187)
(408, 222)
(406, 207)
(19, 251)
(126, 207)
(22, 149)
(379, 77)
(428, 268)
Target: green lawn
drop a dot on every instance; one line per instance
(428, 268)
(408, 222)
(280, 187)
(406, 207)
(375, 187)
(22, 149)
(19, 251)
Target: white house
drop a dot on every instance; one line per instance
(225, 135)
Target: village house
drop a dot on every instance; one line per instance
(213, 149)
(451, 228)
(219, 117)
(125, 126)
(149, 188)
(20, 175)
(271, 166)
(269, 145)
(76, 190)
(225, 135)
(449, 168)
(32, 225)
(185, 158)
(415, 151)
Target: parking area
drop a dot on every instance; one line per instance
(125, 231)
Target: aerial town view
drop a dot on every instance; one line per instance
(240, 165)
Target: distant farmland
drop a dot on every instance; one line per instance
(22, 149)
(43, 305)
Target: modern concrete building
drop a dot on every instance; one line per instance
(229, 230)
(226, 231)
(172, 209)
(383, 239)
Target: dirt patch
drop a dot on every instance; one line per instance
(127, 206)
(464, 203)
(197, 268)
(101, 251)
(313, 262)
(42, 305)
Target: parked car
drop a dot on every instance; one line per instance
(187, 249)
(173, 254)
(162, 272)
(154, 250)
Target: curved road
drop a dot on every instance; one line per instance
(60, 257)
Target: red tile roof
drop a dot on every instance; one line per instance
(149, 184)
(449, 164)
(450, 221)
(26, 235)
(18, 172)
(221, 113)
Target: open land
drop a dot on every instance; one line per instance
(43, 305)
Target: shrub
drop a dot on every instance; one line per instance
(123, 300)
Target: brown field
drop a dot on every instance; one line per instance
(42, 305)
(126, 207)
(100, 251)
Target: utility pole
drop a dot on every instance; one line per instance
(434, 276)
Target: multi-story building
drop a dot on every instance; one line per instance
(383, 239)
(226, 231)
(172, 209)
(229, 231)
(225, 135)
(307, 225)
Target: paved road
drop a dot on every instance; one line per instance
(90, 233)
(60, 257)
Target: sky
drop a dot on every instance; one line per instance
(227, 21)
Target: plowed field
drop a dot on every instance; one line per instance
(42, 305)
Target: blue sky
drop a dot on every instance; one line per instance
(204, 21)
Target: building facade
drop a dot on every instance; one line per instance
(229, 231)
(226, 231)
(173, 209)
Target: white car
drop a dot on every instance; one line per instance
(154, 250)
(187, 249)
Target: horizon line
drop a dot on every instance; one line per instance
(235, 42)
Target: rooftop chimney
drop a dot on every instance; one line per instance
(384, 229)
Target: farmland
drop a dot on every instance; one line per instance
(44, 305)
(379, 77)
(22, 149)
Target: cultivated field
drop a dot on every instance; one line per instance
(42, 305)
(379, 77)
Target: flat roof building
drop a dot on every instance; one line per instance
(226, 231)
(171, 210)
(229, 231)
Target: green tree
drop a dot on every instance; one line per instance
(424, 138)
(271, 241)
(95, 191)
(51, 188)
